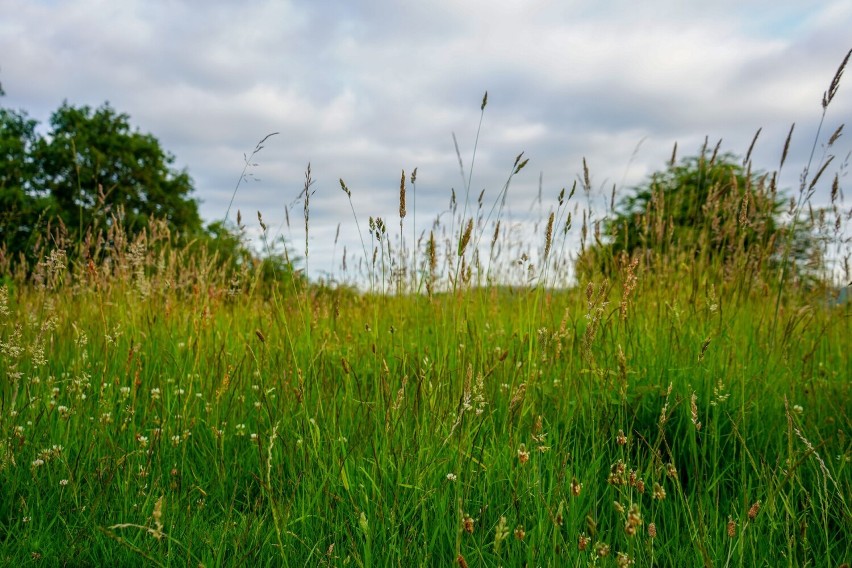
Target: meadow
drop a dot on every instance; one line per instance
(477, 402)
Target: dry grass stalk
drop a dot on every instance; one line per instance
(548, 236)
(465, 239)
(402, 195)
(630, 281)
(835, 82)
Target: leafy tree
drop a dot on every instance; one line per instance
(89, 166)
(21, 205)
(707, 208)
(92, 161)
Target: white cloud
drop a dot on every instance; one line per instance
(363, 90)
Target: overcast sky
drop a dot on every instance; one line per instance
(362, 90)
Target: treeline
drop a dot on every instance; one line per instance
(88, 168)
(90, 172)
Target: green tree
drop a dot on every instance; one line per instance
(707, 209)
(90, 166)
(92, 163)
(22, 206)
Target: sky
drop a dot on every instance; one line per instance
(363, 90)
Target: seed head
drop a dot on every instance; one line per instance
(634, 517)
(694, 408)
(501, 532)
(576, 487)
(523, 454)
(671, 471)
(467, 523)
(755, 509)
(548, 235)
(402, 211)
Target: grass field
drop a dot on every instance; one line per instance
(160, 406)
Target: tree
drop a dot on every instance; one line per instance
(707, 208)
(92, 162)
(89, 166)
(21, 205)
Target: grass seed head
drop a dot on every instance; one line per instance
(576, 487)
(523, 454)
(754, 510)
(467, 524)
(402, 210)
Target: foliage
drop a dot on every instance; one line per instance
(709, 210)
(22, 209)
(90, 166)
(274, 265)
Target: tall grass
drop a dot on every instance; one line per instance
(480, 408)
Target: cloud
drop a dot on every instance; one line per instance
(364, 90)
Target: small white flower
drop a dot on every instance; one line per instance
(451, 477)
(63, 482)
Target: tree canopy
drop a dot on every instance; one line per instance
(89, 166)
(708, 208)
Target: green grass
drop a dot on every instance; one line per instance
(327, 425)
(158, 406)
